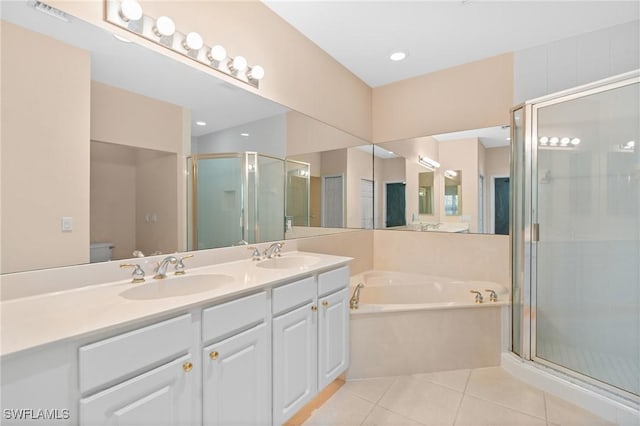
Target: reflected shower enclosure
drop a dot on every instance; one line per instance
(298, 187)
(234, 198)
(576, 233)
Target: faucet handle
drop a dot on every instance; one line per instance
(493, 297)
(478, 295)
(180, 264)
(137, 276)
(255, 256)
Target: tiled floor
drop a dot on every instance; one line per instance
(483, 396)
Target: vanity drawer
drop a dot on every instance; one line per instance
(291, 295)
(331, 281)
(227, 318)
(108, 360)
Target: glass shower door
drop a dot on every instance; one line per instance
(586, 195)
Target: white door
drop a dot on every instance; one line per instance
(294, 361)
(162, 396)
(333, 337)
(236, 379)
(366, 203)
(332, 202)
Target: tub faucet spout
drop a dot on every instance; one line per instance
(355, 299)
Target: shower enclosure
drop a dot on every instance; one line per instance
(575, 234)
(233, 199)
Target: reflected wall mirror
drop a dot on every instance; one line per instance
(112, 160)
(421, 184)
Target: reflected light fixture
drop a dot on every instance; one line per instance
(428, 163)
(556, 142)
(129, 14)
(246, 135)
(450, 173)
(201, 123)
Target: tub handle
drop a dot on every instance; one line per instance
(493, 297)
(478, 295)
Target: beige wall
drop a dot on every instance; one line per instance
(305, 135)
(461, 256)
(470, 96)
(356, 244)
(113, 178)
(45, 167)
(359, 166)
(299, 74)
(126, 118)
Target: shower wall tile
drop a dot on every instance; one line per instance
(562, 64)
(593, 57)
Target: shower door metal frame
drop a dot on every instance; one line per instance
(529, 283)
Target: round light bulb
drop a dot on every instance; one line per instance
(554, 140)
(239, 63)
(130, 10)
(217, 53)
(544, 140)
(397, 56)
(194, 41)
(564, 141)
(256, 72)
(164, 27)
(575, 141)
(201, 123)
(631, 144)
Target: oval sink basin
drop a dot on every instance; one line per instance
(289, 262)
(176, 286)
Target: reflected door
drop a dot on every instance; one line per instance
(332, 202)
(587, 283)
(396, 204)
(501, 205)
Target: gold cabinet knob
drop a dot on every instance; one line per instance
(314, 308)
(187, 366)
(214, 355)
(325, 303)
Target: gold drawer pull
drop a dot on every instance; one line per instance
(314, 308)
(213, 355)
(187, 366)
(325, 303)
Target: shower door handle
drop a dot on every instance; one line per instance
(535, 232)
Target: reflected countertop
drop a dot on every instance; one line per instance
(29, 322)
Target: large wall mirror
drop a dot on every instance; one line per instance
(455, 182)
(108, 144)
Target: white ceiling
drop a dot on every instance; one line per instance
(490, 137)
(440, 34)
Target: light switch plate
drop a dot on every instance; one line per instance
(67, 224)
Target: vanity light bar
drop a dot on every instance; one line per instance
(553, 142)
(428, 163)
(128, 14)
(450, 174)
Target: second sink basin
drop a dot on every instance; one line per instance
(289, 262)
(176, 286)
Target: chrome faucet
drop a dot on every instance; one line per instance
(180, 264)
(478, 295)
(137, 276)
(161, 268)
(273, 250)
(355, 299)
(493, 297)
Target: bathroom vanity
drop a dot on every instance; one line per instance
(234, 343)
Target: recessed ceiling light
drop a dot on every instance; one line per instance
(397, 56)
(201, 123)
(244, 134)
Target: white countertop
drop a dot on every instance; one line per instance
(33, 321)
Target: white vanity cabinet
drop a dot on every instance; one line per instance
(236, 387)
(310, 339)
(141, 377)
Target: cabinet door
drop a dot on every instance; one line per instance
(333, 338)
(237, 378)
(294, 361)
(162, 396)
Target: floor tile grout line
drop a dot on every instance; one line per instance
(464, 393)
(506, 406)
(546, 410)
